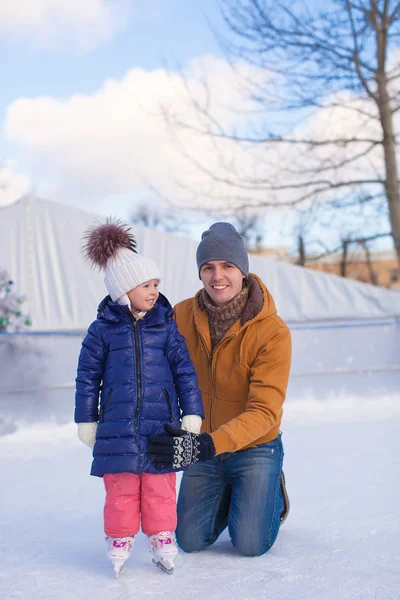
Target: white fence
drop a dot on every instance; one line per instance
(329, 359)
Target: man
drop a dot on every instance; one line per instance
(241, 351)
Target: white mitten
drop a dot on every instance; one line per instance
(192, 423)
(87, 433)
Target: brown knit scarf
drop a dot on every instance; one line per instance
(221, 318)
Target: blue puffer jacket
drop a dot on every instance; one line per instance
(146, 379)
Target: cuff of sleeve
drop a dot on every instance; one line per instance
(222, 441)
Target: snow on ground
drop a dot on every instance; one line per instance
(341, 540)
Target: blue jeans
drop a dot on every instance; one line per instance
(239, 490)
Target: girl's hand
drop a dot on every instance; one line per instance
(192, 423)
(87, 433)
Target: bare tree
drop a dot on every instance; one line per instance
(305, 221)
(347, 258)
(156, 219)
(341, 57)
(347, 253)
(330, 228)
(250, 226)
(368, 260)
(301, 251)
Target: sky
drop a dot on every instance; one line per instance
(72, 49)
(51, 59)
(81, 109)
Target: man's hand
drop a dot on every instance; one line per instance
(179, 449)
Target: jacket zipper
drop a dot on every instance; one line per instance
(138, 374)
(103, 408)
(210, 366)
(168, 399)
(209, 359)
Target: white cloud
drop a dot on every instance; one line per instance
(12, 185)
(50, 23)
(115, 141)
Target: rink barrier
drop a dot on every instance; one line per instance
(343, 325)
(293, 325)
(340, 371)
(77, 333)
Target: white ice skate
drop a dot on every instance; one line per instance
(164, 549)
(118, 551)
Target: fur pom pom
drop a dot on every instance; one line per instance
(102, 241)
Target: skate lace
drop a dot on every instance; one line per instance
(122, 543)
(162, 538)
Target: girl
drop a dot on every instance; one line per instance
(134, 359)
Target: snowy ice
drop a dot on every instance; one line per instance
(341, 540)
(341, 433)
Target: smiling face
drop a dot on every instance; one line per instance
(144, 296)
(222, 280)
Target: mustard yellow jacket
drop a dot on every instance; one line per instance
(243, 381)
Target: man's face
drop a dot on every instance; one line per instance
(222, 280)
(144, 296)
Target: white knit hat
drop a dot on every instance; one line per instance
(111, 247)
(126, 270)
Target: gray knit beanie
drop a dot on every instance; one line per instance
(223, 242)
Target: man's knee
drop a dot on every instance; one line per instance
(252, 547)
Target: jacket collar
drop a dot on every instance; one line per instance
(260, 305)
(255, 303)
(114, 312)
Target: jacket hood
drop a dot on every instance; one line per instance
(260, 302)
(112, 311)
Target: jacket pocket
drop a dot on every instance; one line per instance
(103, 408)
(169, 404)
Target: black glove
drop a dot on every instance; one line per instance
(180, 449)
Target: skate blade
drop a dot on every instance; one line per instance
(118, 568)
(164, 568)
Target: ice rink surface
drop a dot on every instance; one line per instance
(340, 542)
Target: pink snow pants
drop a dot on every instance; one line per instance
(129, 497)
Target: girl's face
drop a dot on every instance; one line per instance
(144, 296)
